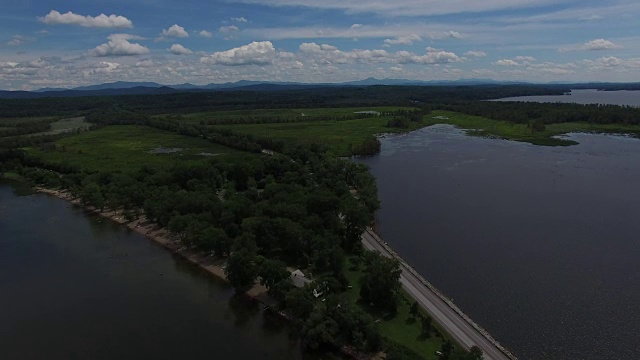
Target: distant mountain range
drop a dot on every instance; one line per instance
(144, 88)
(243, 83)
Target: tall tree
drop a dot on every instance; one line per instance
(475, 353)
(381, 281)
(320, 329)
(241, 269)
(355, 217)
(91, 194)
(272, 272)
(300, 302)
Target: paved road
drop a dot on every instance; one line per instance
(463, 332)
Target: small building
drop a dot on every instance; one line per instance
(299, 279)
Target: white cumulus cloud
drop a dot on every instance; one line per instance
(525, 59)
(178, 49)
(507, 62)
(241, 19)
(228, 29)
(119, 45)
(256, 53)
(402, 40)
(315, 48)
(517, 61)
(432, 57)
(17, 40)
(446, 35)
(175, 31)
(328, 54)
(205, 33)
(100, 21)
(472, 53)
(593, 45)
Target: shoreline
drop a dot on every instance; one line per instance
(440, 295)
(160, 236)
(211, 266)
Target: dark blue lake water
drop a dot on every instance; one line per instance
(540, 245)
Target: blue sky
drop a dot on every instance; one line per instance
(73, 43)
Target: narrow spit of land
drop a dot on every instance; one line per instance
(457, 325)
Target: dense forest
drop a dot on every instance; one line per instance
(464, 99)
(305, 98)
(549, 113)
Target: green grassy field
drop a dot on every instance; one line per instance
(400, 328)
(285, 113)
(520, 132)
(127, 147)
(338, 135)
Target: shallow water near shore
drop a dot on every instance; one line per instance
(539, 245)
(74, 286)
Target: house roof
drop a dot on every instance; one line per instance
(299, 279)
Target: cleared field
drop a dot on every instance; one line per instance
(127, 147)
(482, 126)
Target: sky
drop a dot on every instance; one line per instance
(73, 43)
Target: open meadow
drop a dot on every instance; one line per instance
(339, 135)
(128, 147)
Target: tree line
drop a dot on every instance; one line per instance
(549, 113)
(185, 102)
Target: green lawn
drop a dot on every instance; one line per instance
(400, 328)
(520, 132)
(127, 147)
